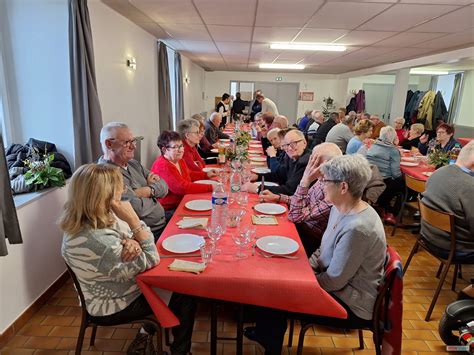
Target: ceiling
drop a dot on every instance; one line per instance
(235, 35)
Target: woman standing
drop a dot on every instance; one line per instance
(363, 131)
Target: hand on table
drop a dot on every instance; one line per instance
(249, 187)
(268, 196)
(131, 250)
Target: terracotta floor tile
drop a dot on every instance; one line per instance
(67, 332)
(125, 334)
(414, 345)
(52, 310)
(42, 343)
(73, 311)
(52, 352)
(204, 349)
(58, 320)
(9, 351)
(35, 330)
(17, 341)
(202, 337)
(70, 344)
(419, 334)
(318, 341)
(88, 352)
(229, 349)
(346, 342)
(108, 344)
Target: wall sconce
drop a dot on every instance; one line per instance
(186, 80)
(132, 63)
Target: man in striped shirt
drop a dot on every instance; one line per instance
(308, 208)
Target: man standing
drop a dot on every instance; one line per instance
(142, 188)
(239, 105)
(222, 108)
(378, 124)
(213, 132)
(267, 104)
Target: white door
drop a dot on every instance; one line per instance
(285, 96)
(378, 100)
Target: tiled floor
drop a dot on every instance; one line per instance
(53, 330)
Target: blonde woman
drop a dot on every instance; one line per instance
(107, 246)
(363, 131)
(413, 136)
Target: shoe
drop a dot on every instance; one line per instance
(251, 333)
(389, 218)
(142, 345)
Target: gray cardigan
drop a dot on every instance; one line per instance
(351, 258)
(386, 157)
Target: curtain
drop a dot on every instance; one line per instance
(164, 91)
(9, 227)
(453, 104)
(434, 82)
(178, 74)
(86, 113)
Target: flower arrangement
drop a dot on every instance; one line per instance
(234, 152)
(438, 158)
(242, 138)
(41, 173)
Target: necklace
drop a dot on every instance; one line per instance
(342, 217)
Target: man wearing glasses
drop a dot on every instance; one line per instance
(143, 188)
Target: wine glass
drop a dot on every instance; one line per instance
(242, 198)
(241, 239)
(214, 233)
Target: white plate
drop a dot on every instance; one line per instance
(427, 173)
(261, 170)
(406, 163)
(207, 182)
(182, 243)
(275, 244)
(225, 140)
(266, 183)
(408, 159)
(206, 170)
(258, 158)
(215, 150)
(199, 205)
(270, 208)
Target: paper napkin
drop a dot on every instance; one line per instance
(187, 266)
(264, 220)
(192, 222)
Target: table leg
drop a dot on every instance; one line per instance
(240, 329)
(213, 328)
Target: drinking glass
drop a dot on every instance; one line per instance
(207, 251)
(241, 239)
(242, 198)
(234, 215)
(214, 233)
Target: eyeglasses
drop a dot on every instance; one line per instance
(128, 143)
(197, 132)
(292, 145)
(441, 132)
(326, 181)
(176, 147)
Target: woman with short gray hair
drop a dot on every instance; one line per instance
(191, 136)
(385, 155)
(349, 263)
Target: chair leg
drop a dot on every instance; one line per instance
(303, 331)
(398, 220)
(290, 336)
(455, 276)
(439, 270)
(460, 272)
(80, 337)
(438, 290)
(94, 332)
(167, 337)
(413, 251)
(159, 339)
(361, 340)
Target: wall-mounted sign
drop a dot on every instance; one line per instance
(306, 96)
(279, 78)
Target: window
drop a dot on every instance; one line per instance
(446, 86)
(246, 89)
(171, 73)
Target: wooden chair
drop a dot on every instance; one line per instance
(445, 222)
(90, 321)
(416, 185)
(379, 315)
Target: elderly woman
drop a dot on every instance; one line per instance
(385, 155)
(274, 153)
(413, 136)
(191, 136)
(401, 132)
(349, 263)
(171, 167)
(444, 140)
(363, 131)
(107, 246)
(204, 147)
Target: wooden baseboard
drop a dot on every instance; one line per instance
(30, 311)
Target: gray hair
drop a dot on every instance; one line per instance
(257, 115)
(198, 117)
(273, 131)
(349, 119)
(185, 126)
(327, 150)
(466, 155)
(214, 115)
(388, 134)
(108, 131)
(282, 120)
(353, 169)
(399, 119)
(418, 128)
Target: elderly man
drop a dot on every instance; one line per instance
(324, 128)
(378, 124)
(341, 133)
(213, 133)
(280, 121)
(275, 155)
(143, 188)
(316, 120)
(289, 173)
(267, 104)
(450, 189)
(304, 121)
(308, 208)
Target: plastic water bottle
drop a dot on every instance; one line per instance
(219, 207)
(235, 184)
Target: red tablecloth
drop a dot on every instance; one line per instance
(417, 171)
(464, 141)
(285, 284)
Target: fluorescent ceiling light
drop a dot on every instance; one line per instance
(308, 47)
(281, 66)
(422, 71)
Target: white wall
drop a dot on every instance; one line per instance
(37, 61)
(192, 92)
(126, 95)
(216, 83)
(30, 268)
(465, 115)
(356, 83)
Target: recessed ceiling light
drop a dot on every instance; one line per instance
(421, 71)
(308, 47)
(281, 66)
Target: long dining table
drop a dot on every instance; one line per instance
(274, 282)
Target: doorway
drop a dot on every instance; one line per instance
(284, 95)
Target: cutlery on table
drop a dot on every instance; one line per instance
(265, 255)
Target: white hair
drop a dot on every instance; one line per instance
(108, 132)
(214, 115)
(466, 155)
(327, 150)
(388, 134)
(273, 131)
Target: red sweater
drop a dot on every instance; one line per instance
(192, 158)
(179, 184)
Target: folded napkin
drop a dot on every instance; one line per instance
(187, 266)
(264, 220)
(192, 222)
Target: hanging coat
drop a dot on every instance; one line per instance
(409, 105)
(360, 101)
(425, 110)
(440, 113)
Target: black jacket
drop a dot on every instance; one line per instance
(323, 130)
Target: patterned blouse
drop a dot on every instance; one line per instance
(107, 282)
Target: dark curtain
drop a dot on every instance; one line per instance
(453, 104)
(164, 91)
(87, 116)
(178, 73)
(9, 227)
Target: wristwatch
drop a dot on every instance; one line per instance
(152, 191)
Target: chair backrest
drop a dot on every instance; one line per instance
(415, 184)
(438, 219)
(77, 285)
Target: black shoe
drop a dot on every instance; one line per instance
(142, 345)
(251, 333)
